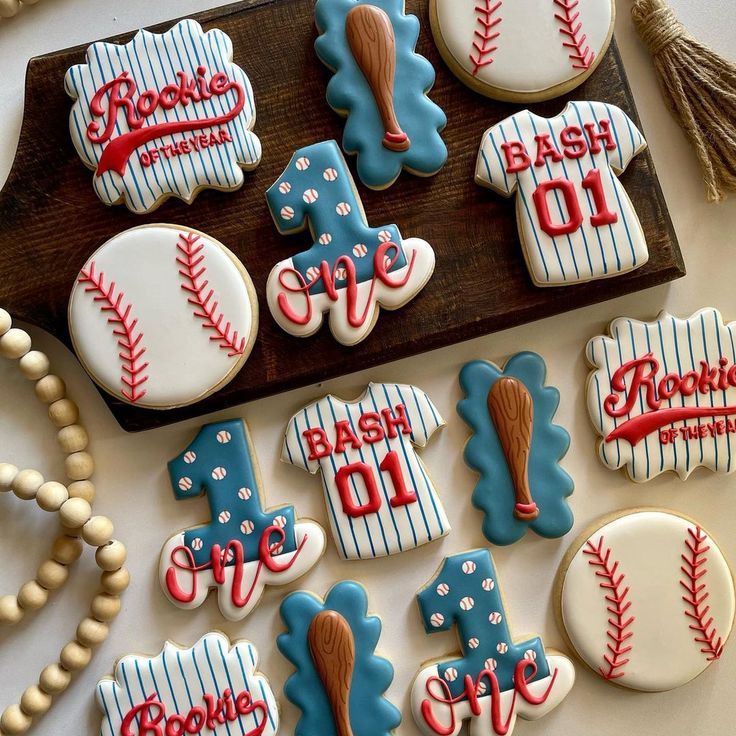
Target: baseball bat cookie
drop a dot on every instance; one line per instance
(646, 599)
(162, 316)
(516, 448)
(380, 85)
(211, 688)
(522, 51)
(340, 681)
(575, 219)
(494, 680)
(163, 115)
(379, 495)
(244, 546)
(662, 394)
(351, 269)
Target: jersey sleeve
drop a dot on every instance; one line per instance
(490, 169)
(424, 418)
(628, 138)
(295, 449)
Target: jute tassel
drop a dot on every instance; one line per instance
(700, 89)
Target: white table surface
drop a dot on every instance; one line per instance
(133, 488)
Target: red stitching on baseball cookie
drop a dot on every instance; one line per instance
(580, 54)
(693, 570)
(205, 305)
(129, 339)
(485, 34)
(618, 605)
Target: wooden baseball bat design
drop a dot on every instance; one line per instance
(372, 41)
(332, 647)
(512, 412)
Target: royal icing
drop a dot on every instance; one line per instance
(381, 86)
(516, 448)
(662, 394)
(379, 496)
(243, 547)
(212, 688)
(525, 50)
(351, 268)
(163, 115)
(162, 316)
(647, 600)
(339, 683)
(576, 221)
(494, 680)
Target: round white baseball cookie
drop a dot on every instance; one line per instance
(646, 599)
(525, 50)
(162, 316)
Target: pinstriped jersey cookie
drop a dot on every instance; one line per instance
(522, 50)
(646, 598)
(163, 115)
(380, 499)
(576, 221)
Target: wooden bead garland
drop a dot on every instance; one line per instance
(11, 8)
(74, 506)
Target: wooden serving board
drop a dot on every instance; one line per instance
(51, 220)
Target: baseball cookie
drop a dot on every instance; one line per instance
(380, 498)
(351, 268)
(163, 115)
(339, 683)
(516, 448)
(380, 86)
(646, 599)
(575, 220)
(162, 316)
(243, 547)
(212, 688)
(662, 394)
(495, 679)
(525, 50)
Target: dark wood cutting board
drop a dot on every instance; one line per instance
(51, 220)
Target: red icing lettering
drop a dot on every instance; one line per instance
(602, 216)
(397, 419)
(545, 150)
(517, 159)
(343, 434)
(342, 480)
(145, 717)
(541, 202)
(573, 142)
(370, 425)
(603, 135)
(319, 445)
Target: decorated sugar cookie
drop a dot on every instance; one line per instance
(244, 546)
(379, 496)
(213, 688)
(380, 86)
(662, 394)
(162, 316)
(525, 50)
(576, 221)
(516, 448)
(164, 115)
(646, 599)
(339, 683)
(495, 679)
(351, 268)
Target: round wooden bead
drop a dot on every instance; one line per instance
(34, 701)
(26, 484)
(111, 556)
(91, 632)
(54, 679)
(34, 365)
(63, 412)
(10, 611)
(15, 343)
(50, 388)
(51, 496)
(51, 574)
(13, 720)
(67, 550)
(5, 322)
(75, 513)
(32, 596)
(73, 438)
(97, 531)
(9, 8)
(115, 582)
(82, 489)
(105, 607)
(79, 466)
(75, 657)
(7, 476)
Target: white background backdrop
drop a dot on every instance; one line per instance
(133, 488)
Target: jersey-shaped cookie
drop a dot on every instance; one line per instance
(516, 448)
(339, 683)
(522, 50)
(379, 496)
(380, 86)
(163, 115)
(351, 268)
(211, 688)
(495, 679)
(575, 220)
(244, 547)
